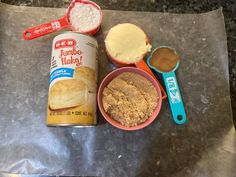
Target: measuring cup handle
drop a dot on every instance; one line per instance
(46, 28)
(142, 65)
(174, 97)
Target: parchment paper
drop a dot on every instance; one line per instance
(203, 146)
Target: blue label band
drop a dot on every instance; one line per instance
(61, 72)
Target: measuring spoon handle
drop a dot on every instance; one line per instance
(45, 28)
(174, 96)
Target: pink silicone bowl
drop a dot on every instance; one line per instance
(109, 78)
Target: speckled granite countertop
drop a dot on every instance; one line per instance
(175, 6)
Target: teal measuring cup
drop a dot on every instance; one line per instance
(172, 88)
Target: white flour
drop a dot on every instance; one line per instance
(84, 17)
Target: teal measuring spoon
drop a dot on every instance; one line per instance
(172, 89)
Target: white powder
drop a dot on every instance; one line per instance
(84, 17)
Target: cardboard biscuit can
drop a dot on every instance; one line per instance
(73, 81)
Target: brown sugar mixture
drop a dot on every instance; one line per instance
(164, 59)
(130, 99)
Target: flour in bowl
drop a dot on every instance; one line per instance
(84, 17)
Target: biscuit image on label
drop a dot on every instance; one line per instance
(67, 93)
(88, 75)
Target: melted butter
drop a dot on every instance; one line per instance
(127, 43)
